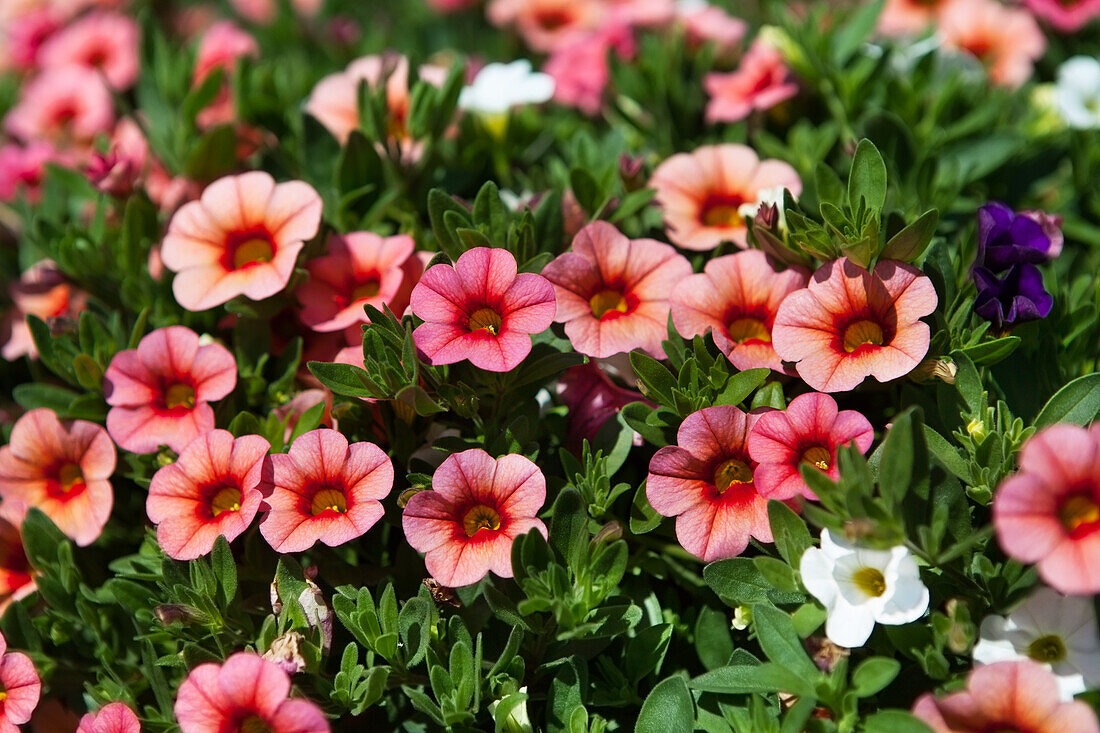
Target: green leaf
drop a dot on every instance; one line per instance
(896, 466)
(740, 385)
(643, 517)
(874, 674)
(213, 155)
(991, 352)
(969, 382)
(741, 679)
(854, 32)
(867, 179)
(657, 381)
(737, 580)
(569, 527)
(776, 635)
(39, 394)
(910, 243)
(668, 707)
(790, 532)
(713, 642)
(1078, 402)
(225, 569)
(894, 721)
(948, 456)
(342, 379)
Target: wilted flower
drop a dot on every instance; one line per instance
(860, 587)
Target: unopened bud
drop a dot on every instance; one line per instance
(929, 369)
(742, 617)
(976, 429)
(631, 170)
(170, 613)
(608, 533)
(857, 529)
(404, 496)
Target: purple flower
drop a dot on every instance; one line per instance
(1006, 238)
(1015, 297)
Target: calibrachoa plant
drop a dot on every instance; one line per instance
(557, 366)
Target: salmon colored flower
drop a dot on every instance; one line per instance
(222, 45)
(702, 193)
(736, 299)
(360, 269)
(477, 507)
(706, 23)
(21, 686)
(67, 105)
(1068, 16)
(64, 469)
(706, 482)
(1006, 40)
(41, 291)
(850, 323)
(545, 24)
(808, 432)
(612, 292)
(159, 391)
(1049, 513)
(102, 41)
(481, 310)
(1006, 696)
(242, 237)
(212, 489)
(909, 17)
(324, 490)
(16, 575)
(760, 83)
(115, 717)
(247, 693)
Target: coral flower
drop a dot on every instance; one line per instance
(103, 41)
(21, 688)
(1068, 16)
(159, 391)
(115, 717)
(41, 291)
(324, 490)
(761, 82)
(546, 24)
(212, 489)
(706, 482)
(702, 192)
(65, 105)
(16, 576)
(850, 323)
(1006, 696)
(481, 310)
(247, 693)
(477, 507)
(63, 469)
(1006, 40)
(1049, 513)
(736, 299)
(22, 169)
(613, 292)
(808, 432)
(360, 269)
(909, 17)
(242, 237)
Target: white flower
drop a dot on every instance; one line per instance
(1056, 631)
(499, 87)
(1078, 92)
(769, 196)
(860, 587)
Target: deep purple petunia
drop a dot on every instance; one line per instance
(1007, 238)
(1016, 297)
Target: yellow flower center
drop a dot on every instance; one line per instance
(254, 724)
(817, 456)
(722, 210)
(329, 500)
(252, 251)
(608, 301)
(1079, 511)
(862, 333)
(3, 696)
(485, 319)
(179, 395)
(368, 289)
(731, 472)
(70, 477)
(871, 581)
(1047, 649)
(748, 329)
(228, 499)
(480, 517)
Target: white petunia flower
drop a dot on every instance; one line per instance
(499, 87)
(1078, 92)
(860, 587)
(1056, 631)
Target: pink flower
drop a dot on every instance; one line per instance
(647, 13)
(592, 399)
(16, 575)
(22, 169)
(709, 23)
(360, 269)
(613, 292)
(580, 68)
(544, 24)
(702, 192)
(25, 35)
(850, 323)
(241, 238)
(41, 291)
(324, 490)
(909, 17)
(736, 299)
(477, 507)
(256, 11)
(21, 686)
(220, 48)
(102, 41)
(115, 717)
(63, 469)
(706, 482)
(1068, 16)
(212, 489)
(1049, 513)
(451, 6)
(762, 82)
(247, 693)
(808, 432)
(159, 391)
(481, 310)
(1006, 696)
(1006, 40)
(64, 105)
